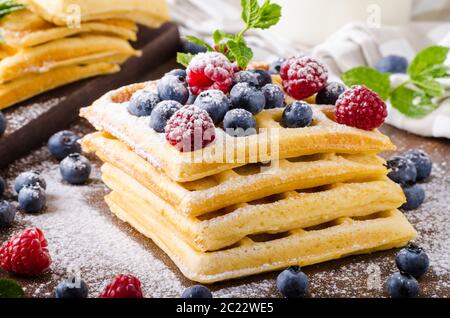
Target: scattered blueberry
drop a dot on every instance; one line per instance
(274, 96)
(403, 170)
(179, 73)
(142, 103)
(413, 260)
(32, 198)
(2, 186)
(263, 77)
(293, 283)
(189, 47)
(72, 288)
(297, 115)
(197, 291)
(415, 196)
(392, 64)
(63, 144)
(29, 178)
(402, 286)
(275, 67)
(171, 88)
(330, 94)
(75, 169)
(248, 97)
(422, 161)
(7, 214)
(2, 123)
(162, 113)
(215, 102)
(239, 123)
(246, 77)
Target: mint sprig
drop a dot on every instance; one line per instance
(234, 46)
(415, 98)
(10, 289)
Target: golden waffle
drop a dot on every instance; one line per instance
(110, 114)
(24, 29)
(276, 214)
(34, 84)
(263, 253)
(61, 12)
(239, 185)
(78, 50)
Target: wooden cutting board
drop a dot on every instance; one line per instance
(32, 122)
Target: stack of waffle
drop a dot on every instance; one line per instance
(52, 43)
(314, 194)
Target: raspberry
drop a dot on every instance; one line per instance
(190, 129)
(303, 76)
(25, 253)
(210, 71)
(123, 286)
(362, 108)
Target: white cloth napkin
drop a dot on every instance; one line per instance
(357, 44)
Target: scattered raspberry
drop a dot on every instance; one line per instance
(190, 129)
(210, 70)
(303, 76)
(25, 253)
(123, 286)
(361, 108)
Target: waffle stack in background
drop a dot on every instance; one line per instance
(52, 43)
(325, 195)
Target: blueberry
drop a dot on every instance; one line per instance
(413, 260)
(239, 123)
(248, 97)
(7, 214)
(142, 103)
(293, 283)
(32, 198)
(215, 102)
(197, 291)
(263, 77)
(403, 170)
(28, 179)
(71, 288)
(274, 96)
(191, 100)
(162, 113)
(422, 161)
(75, 169)
(63, 144)
(297, 115)
(171, 88)
(415, 196)
(180, 74)
(402, 286)
(189, 47)
(246, 77)
(392, 64)
(275, 67)
(2, 186)
(2, 123)
(330, 94)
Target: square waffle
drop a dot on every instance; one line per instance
(239, 185)
(110, 114)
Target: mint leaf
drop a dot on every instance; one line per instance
(427, 60)
(437, 71)
(415, 104)
(250, 12)
(369, 77)
(430, 87)
(184, 58)
(241, 52)
(10, 289)
(269, 15)
(219, 36)
(198, 41)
